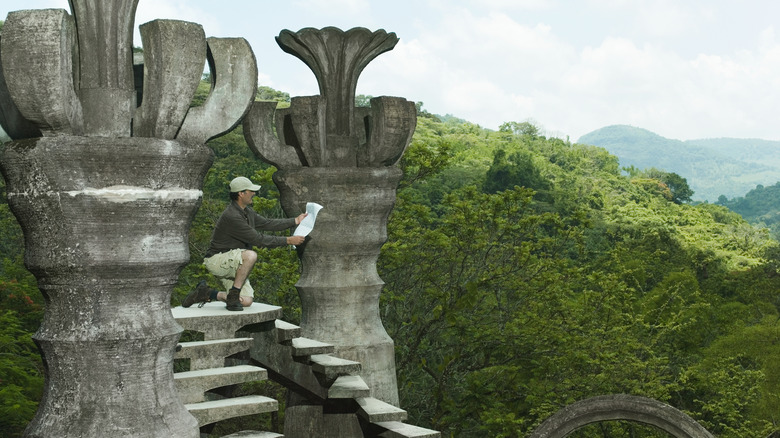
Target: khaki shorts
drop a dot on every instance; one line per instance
(224, 266)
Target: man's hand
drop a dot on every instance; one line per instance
(300, 217)
(295, 240)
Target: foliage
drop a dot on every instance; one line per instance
(522, 273)
(760, 206)
(21, 374)
(505, 306)
(712, 167)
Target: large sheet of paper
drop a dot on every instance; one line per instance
(307, 224)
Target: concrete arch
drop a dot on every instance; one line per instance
(620, 407)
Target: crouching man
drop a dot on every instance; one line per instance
(230, 256)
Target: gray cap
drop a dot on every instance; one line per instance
(241, 183)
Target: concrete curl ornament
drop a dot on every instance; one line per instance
(620, 407)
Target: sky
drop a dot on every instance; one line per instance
(684, 69)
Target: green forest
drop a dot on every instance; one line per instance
(523, 273)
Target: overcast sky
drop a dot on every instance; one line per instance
(684, 69)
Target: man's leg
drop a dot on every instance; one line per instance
(233, 298)
(248, 259)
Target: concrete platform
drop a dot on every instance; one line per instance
(216, 322)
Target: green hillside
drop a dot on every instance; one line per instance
(712, 167)
(522, 273)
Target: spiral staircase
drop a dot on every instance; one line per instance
(252, 345)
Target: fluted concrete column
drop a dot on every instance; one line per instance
(343, 158)
(105, 199)
(105, 224)
(339, 285)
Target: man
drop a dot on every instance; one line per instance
(230, 256)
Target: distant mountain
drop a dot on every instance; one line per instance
(712, 167)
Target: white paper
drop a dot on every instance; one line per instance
(307, 224)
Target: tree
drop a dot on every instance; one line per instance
(515, 170)
(268, 93)
(681, 191)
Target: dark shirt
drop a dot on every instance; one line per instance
(238, 228)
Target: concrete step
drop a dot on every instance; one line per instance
(212, 411)
(349, 387)
(211, 354)
(192, 385)
(331, 367)
(374, 410)
(307, 347)
(253, 434)
(286, 331)
(395, 429)
(216, 322)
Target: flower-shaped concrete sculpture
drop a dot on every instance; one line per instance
(327, 130)
(105, 189)
(344, 158)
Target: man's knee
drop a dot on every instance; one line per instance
(249, 257)
(246, 301)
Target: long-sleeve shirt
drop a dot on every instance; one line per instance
(240, 228)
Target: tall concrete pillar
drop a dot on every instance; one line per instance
(105, 193)
(345, 159)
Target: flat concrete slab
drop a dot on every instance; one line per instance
(253, 434)
(332, 367)
(349, 387)
(375, 410)
(216, 322)
(395, 429)
(213, 411)
(307, 347)
(211, 354)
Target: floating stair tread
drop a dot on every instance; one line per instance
(223, 371)
(212, 411)
(253, 434)
(192, 385)
(308, 347)
(375, 410)
(286, 331)
(216, 322)
(211, 354)
(332, 367)
(396, 429)
(349, 387)
(230, 346)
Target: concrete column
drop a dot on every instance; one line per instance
(343, 158)
(105, 224)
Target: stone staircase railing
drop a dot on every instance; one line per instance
(276, 351)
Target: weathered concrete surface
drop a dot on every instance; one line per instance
(173, 62)
(105, 215)
(344, 159)
(216, 322)
(12, 122)
(339, 285)
(234, 85)
(44, 91)
(390, 124)
(337, 58)
(274, 151)
(620, 407)
(107, 338)
(105, 74)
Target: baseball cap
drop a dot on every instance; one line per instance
(241, 183)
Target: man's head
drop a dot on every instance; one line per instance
(242, 190)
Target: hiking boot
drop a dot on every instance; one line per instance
(233, 301)
(199, 295)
